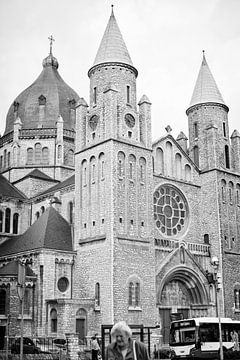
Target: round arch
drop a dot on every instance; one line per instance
(190, 280)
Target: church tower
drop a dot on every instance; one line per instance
(114, 189)
(209, 144)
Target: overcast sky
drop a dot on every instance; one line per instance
(165, 39)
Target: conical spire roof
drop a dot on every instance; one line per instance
(112, 47)
(206, 89)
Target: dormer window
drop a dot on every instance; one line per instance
(42, 100)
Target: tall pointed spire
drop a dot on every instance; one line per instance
(112, 47)
(206, 89)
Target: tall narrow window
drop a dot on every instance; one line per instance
(29, 156)
(15, 223)
(1, 162)
(195, 130)
(53, 317)
(8, 159)
(227, 157)
(45, 155)
(130, 170)
(94, 95)
(224, 129)
(70, 210)
(97, 294)
(7, 220)
(130, 294)
(1, 221)
(27, 301)
(237, 298)
(70, 157)
(128, 94)
(59, 151)
(137, 294)
(5, 158)
(196, 155)
(3, 302)
(38, 153)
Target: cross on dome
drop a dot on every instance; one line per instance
(51, 39)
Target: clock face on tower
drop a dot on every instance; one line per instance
(129, 120)
(93, 121)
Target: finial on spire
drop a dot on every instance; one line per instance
(204, 59)
(112, 9)
(51, 39)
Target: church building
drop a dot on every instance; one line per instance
(107, 224)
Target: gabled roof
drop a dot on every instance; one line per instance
(36, 174)
(206, 89)
(9, 190)
(112, 47)
(50, 231)
(11, 269)
(67, 182)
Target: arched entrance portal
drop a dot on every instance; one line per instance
(180, 292)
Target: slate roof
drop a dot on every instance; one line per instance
(8, 190)
(50, 231)
(206, 89)
(37, 174)
(67, 182)
(112, 47)
(51, 86)
(11, 269)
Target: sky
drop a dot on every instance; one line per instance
(165, 39)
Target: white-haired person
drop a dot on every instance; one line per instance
(123, 347)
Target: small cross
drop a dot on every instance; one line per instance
(51, 42)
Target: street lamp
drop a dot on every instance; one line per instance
(217, 286)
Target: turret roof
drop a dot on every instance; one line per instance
(206, 89)
(112, 47)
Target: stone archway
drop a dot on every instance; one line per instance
(181, 290)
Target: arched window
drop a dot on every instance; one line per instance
(223, 186)
(8, 159)
(227, 162)
(142, 172)
(45, 155)
(1, 221)
(132, 167)
(159, 161)
(92, 169)
(1, 162)
(237, 297)
(178, 161)
(84, 172)
(53, 317)
(42, 209)
(195, 125)
(101, 166)
(188, 173)
(137, 294)
(29, 156)
(121, 164)
(134, 293)
(70, 157)
(97, 294)
(28, 301)
(7, 220)
(37, 215)
(5, 158)
(3, 301)
(38, 153)
(169, 158)
(238, 194)
(230, 191)
(70, 212)
(130, 293)
(206, 239)
(59, 151)
(196, 155)
(15, 223)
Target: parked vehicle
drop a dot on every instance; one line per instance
(50, 345)
(29, 346)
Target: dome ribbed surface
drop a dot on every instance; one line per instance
(206, 89)
(57, 94)
(112, 47)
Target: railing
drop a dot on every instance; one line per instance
(194, 248)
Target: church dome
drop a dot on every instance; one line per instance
(42, 102)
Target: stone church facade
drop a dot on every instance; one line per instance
(109, 224)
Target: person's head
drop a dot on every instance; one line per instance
(121, 332)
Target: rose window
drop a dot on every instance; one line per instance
(170, 210)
